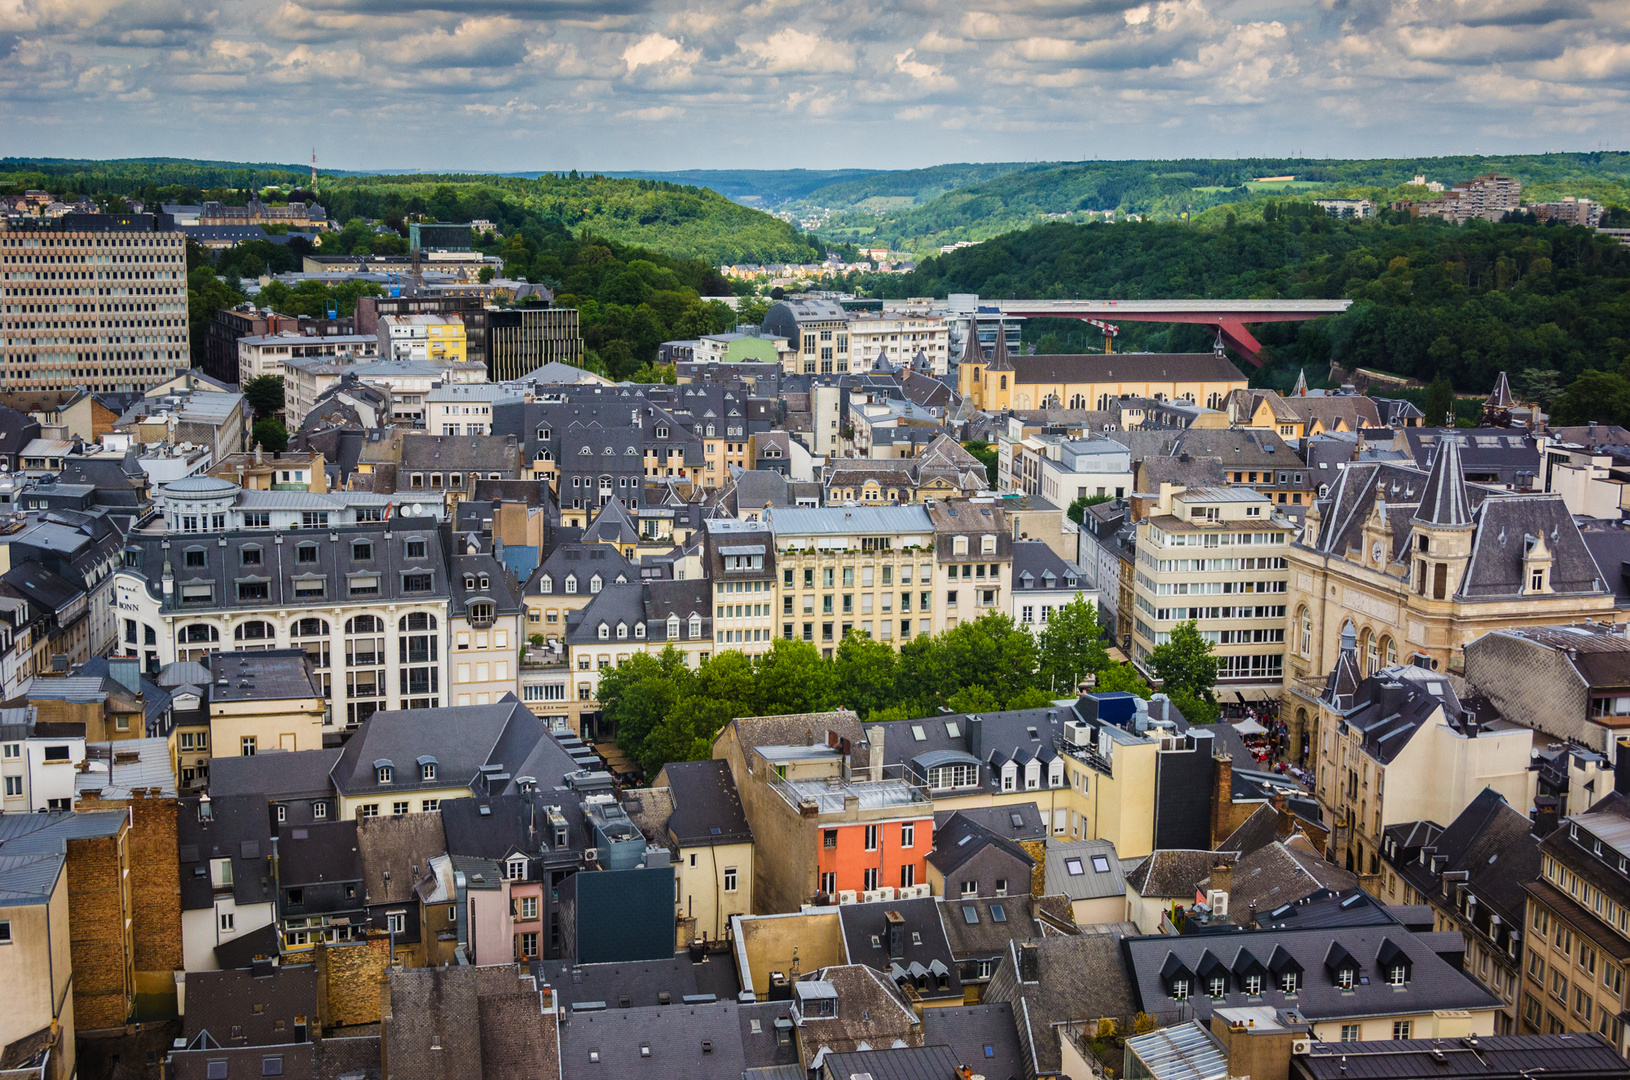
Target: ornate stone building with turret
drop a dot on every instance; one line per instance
(1414, 562)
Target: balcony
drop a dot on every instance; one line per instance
(543, 657)
(831, 795)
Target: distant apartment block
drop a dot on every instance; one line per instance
(305, 215)
(1489, 197)
(1346, 208)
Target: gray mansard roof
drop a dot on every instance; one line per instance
(342, 555)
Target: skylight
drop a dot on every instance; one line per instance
(1074, 867)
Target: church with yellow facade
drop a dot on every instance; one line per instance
(1092, 380)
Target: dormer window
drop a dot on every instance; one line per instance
(594, 583)
(571, 583)
(622, 631)
(662, 431)
(427, 769)
(546, 584)
(383, 772)
(1397, 974)
(469, 581)
(605, 632)
(639, 630)
(673, 627)
(1289, 982)
(1344, 978)
(1217, 986)
(1180, 989)
(486, 582)
(695, 626)
(515, 868)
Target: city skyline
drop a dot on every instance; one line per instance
(632, 84)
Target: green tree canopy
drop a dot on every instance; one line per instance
(265, 395)
(271, 436)
(1071, 646)
(1185, 664)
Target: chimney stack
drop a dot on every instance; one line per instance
(895, 929)
(1029, 963)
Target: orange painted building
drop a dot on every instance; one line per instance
(862, 857)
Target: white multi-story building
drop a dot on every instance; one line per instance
(264, 354)
(1216, 556)
(899, 336)
(465, 408)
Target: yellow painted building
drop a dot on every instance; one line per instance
(1094, 380)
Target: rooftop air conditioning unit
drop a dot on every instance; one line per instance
(871, 896)
(1077, 733)
(591, 855)
(1301, 1046)
(846, 896)
(886, 893)
(1217, 901)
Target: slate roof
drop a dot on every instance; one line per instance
(900, 1063)
(275, 774)
(238, 828)
(1256, 831)
(870, 1010)
(396, 851)
(322, 852)
(268, 675)
(706, 806)
(614, 605)
(684, 1042)
(1280, 873)
(1175, 872)
(1079, 978)
(1505, 525)
(999, 820)
(645, 983)
(974, 930)
(926, 953)
(1508, 1057)
(1443, 501)
(1489, 841)
(577, 559)
(1389, 707)
(982, 1036)
(1090, 883)
(1034, 560)
(456, 1022)
(1433, 982)
(960, 839)
(220, 1002)
(461, 739)
(1099, 367)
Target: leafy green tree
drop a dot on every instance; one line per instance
(265, 395)
(1078, 509)
(1185, 664)
(973, 699)
(1196, 710)
(1596, 395)
(1440, 402)
(270, 435)
(206, 295)
(863, 673)
(792, 678)
(986, 453)
(991, 651)
(656, 373)
(1117, 678)
(1071, 646)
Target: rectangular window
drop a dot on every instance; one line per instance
(1350, 1033)
(730, 879)
(868, 879)
(871, 838)
(908, 835)
(1400, 1029)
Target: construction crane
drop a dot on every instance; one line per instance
(1110, 332)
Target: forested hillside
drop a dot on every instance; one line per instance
(1431, 298)
(1167, 190)
(687, 222)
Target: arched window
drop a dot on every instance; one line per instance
(365, 624)
(197, 641)
(1389, 650)
(1078, 401)
(1004, 382)
(483, 611)
(312, 635)
(418, 620)
(1372, 653)
(1304, 620)
(255, 635)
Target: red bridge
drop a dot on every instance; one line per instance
(1228, 316)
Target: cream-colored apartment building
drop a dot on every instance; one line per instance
(899, 337)
(1216, 556)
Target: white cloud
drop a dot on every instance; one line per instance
(653, 113)
(793, 51)
(650, 49)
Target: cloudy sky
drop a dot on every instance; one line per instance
(666, 84)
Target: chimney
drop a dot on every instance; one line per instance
(1222, 797)
(1544, 816)
(874, 752)
(1029, 963)
(1222, 877)
(895, 929)
(976, 737)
